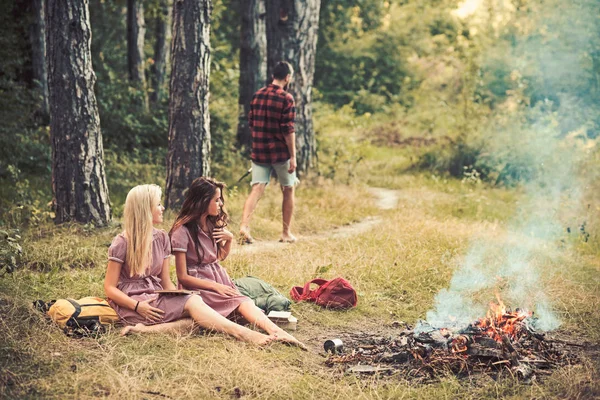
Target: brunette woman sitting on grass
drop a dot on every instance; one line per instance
(199, 240)
(139, 264)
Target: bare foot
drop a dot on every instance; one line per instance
(288, 238)
(284, 337)
(257, 338)
(131, 329)
(245, 237)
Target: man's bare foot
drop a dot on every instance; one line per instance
(131, 329)
(289, 238)
(245, 237)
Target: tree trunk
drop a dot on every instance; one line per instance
(161, 51)
(189, 123)
(136, 28)
(253, 63)
(292, 27)
(38, 58)
(78, 179)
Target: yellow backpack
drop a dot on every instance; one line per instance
(89, 312)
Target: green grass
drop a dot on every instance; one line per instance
(397, 269)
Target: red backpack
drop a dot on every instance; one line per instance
(336, 293)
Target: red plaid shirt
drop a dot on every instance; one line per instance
(271, 118)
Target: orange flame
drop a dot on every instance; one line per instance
(500, 322)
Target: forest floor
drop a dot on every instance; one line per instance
(398, 245)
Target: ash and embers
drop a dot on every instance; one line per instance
(503, 342)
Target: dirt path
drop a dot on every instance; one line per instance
(386, 199)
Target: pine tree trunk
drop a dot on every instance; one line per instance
(292, 28)
(78, 179)
(189, 123)
(38, 59)
(136, 28)
(253, 63)
(161, 51)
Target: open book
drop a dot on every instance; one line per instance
(176, 291)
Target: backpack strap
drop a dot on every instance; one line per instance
(77, 308)
(95, 305)
(299, 293)
(308, 294)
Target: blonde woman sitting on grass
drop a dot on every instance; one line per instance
(139, 264)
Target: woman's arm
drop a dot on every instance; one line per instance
(110, 286)
(193, 282)
(165, 276)
(115, 294)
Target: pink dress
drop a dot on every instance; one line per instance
(142, 288)
(208, 268)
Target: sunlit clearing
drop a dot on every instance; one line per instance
(467, 8)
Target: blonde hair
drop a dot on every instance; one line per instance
(140, 202)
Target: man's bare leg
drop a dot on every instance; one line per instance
(287, 210)
(249, 206)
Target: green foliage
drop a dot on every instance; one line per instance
(338, 154)
(455, 158)
(125, 127)
(126, 170)
(24, 202)
(366, 49)
(339, 158)
(24, 145)
(10, 250)
(227, 162)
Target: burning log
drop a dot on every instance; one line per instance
(510, 351)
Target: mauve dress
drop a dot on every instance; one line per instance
(209, 268)
(142, 288)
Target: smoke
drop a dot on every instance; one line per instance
(544, 141)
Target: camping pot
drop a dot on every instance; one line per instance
(334, 346)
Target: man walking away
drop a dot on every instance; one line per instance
(271, 120)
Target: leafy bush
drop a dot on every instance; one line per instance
(126, 170)
(338, 157)
(456, 158)
(10, 250)
(124, 126)
(24, 202)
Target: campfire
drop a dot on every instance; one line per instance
(503, 341)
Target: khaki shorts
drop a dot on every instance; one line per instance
(261, 173)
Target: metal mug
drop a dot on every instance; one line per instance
(334, 346)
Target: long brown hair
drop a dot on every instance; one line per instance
(195, 204)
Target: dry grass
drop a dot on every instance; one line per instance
(397, 268)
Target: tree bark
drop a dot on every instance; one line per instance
(78, 179)
(136, 28)
(38, 58)
(161, 51)
(253, 63)
(189, 122)
(292, 27)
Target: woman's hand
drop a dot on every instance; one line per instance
(222, 236)
(150, 313)
(225, 290)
